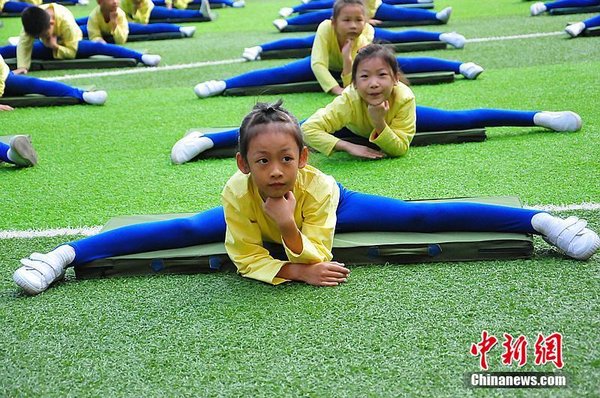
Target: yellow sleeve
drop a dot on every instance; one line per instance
(168, 3)
(70, 35)
(3, 75)
(319, 58)
(93, 27)
(121, 31)
(24, 49)
(395, 139)
(244, 245)
(319, 128)
(318, 227)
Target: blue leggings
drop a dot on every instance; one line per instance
(85, 49)
(4, 153)
(405, 36)
(428, 119)
(385, 12)
(229, 3)
(301, 71)
(571, 3)
(356, 212)
(14, 7)
(592, 22)
(165, 13)
(18, 85)
(141, 29)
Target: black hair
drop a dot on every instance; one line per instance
(377, 50)
(339, 4)
(264, 113)
(35, 20)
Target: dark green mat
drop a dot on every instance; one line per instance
(9, 15)
(150, 37)
(574, 10)
(397, 47)
(420, 139)
(37, 100)
(214, 6)
(314, 87)
(95, 62)
(357, 248)
(592, 31)
(212, 17)
(383, 24)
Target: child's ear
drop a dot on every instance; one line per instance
(303, 157)
(242, 164)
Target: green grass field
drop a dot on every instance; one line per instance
(390, 330)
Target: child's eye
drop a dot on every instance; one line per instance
(262, 161)
(383, 74)
(287, 158)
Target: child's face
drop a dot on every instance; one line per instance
(47, 34)
(108, 5)
(374, 80)
(350, 22)
(273, 160)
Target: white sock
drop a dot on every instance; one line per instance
(541, 222)
(63, 254)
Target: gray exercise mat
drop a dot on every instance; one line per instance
(149, 37)
(95, 62)
(357, 248)
(592, 31)
(315, 87)
(574, 10)
(31, 100)
(396, 47)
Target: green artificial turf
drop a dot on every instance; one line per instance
(390, 331)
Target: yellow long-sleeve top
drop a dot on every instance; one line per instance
(65, 29)
(179, 4)
(317, 196)
(326, 54)
(350, 111)
(34, 2)
(139, 12)
(3, 75)
(2, 3)
(372, 6)
(98, 27)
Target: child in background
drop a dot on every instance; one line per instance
(64, 2)
(18, 151)
(183, 4)
(380, 107)
(540, 8)
(277, 197)
(13, 7)
(108, 20)
(145, 12)
(17, 85)
(576, 28)
(336, 43)
(376, 12)
(60, 38)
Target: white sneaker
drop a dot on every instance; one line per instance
(444, 15)
(13, 40)
(575, 29)
(424, 1)
(280, 24)
(37, 273)
(572, 237)
(190, 146)
(470, 70)
(205, 9)
(210, 88)
(239, 4)
(95, 97)
(286, 12)
(150, 59)
(188, 31)
(252, 53)
(83, 2)
(454, 39)
(558, 121)
(21, 151)
(537, 8)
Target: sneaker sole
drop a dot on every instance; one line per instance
(23, 147)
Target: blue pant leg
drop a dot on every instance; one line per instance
(82, 21)
(165, 13)
(297, 71)
(571, 3)
(224, 139)
(314, 5)
(84, 31)
(15, 7)
(432, 119)
(362, 212)
(592, 22)
(160, 3)
(141, 29)
(206, 227)
(289, 44)
(88, 48)
(40, 51)
(8, 52)
(4, 153)
(406, 36)
(393, 2)
(387, 12)
(226, 2)
(427, 64)
(310, 18)
(18, 85)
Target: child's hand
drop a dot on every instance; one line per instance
(337, 90)
(377, 114)
(359, 151)
(329, 273)
(281, 210)
(20, 71)
(6, 108)
(113, 19)
(347, 50)
(374, 22)
(52, 42)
